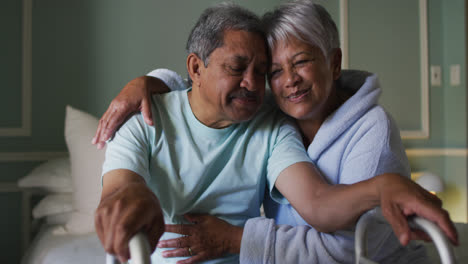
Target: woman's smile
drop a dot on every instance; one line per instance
(297, 96)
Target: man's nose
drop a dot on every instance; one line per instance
(248, 81)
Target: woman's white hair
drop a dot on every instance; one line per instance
(305, 20)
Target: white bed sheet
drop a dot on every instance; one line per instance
(50, 248)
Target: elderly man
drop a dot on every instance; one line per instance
(214, 148)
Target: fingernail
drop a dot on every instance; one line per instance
(403, 239)
(93, 141)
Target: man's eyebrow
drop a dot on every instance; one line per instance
(239, 58)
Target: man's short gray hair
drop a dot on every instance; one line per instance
(305, 20)
(208, 32)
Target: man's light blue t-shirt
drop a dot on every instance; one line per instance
(193, 168)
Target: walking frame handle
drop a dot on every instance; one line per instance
(139, 251)
(439, 239)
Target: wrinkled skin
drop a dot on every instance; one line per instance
(208, 238)
(123, 213)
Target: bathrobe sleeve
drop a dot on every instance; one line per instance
(264, 242)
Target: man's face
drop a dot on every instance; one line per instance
(232, 86)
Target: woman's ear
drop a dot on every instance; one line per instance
(336, 63)
(194, 66)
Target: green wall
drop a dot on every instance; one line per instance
(373, 22)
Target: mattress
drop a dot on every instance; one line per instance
(51, 246)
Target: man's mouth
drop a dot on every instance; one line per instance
(245, 97)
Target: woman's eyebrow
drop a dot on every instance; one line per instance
(300, 53)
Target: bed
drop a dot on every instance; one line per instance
(53, 246)
(65, 213)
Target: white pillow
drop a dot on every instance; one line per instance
(53, 204)
(58, 219)
(86, 165)
(52, 176)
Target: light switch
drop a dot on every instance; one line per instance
(436, 75)
(455, 75)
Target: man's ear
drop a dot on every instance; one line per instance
(194, 67)
(336, 63)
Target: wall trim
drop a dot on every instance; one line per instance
(30, 156)
(423, 132)
(26, 69)
(433, 152)
(344, 33)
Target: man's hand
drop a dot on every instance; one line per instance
(208, 237)
(124, 210)
(401, 197)
(134, 97)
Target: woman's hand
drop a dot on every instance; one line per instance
(134, 97)
(401, 197)
(208, 237)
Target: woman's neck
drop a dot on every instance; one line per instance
(310, 126)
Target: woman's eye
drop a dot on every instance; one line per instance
(299, 62)
(274, 72)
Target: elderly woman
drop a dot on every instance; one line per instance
(347, 134)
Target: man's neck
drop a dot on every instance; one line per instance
(204, 113)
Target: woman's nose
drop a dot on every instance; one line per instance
(292, 78)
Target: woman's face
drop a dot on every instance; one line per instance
(301, 78)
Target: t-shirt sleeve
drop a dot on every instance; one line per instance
(377, 149)
(130, 148)
(172, 79)
(287, 150)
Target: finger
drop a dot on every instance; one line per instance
(417, 234)
(99, 227)
(97, 136)
(181, 242)
(179, 229)
(121, 238)
(115, 119)
(109, 232)
(154, 234)
(179, 252)
(398, 222)
(146, 111)
(101, 127)
(441, 218)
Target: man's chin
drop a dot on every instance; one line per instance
(243, 115)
